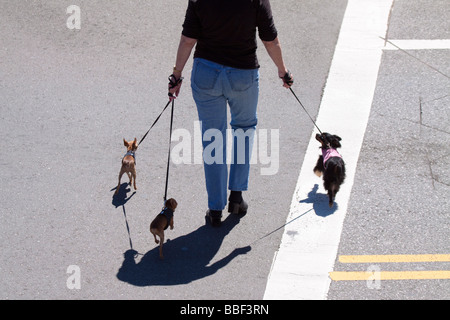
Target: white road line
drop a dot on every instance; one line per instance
(435, 44)
(309, 244)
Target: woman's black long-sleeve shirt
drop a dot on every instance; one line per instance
(226, 30)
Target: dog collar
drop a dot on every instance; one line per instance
(130, 153)
(168, 213)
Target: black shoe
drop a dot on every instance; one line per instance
(238, 208)
(215, 217)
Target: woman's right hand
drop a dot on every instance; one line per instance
(175, 81)
(288, 79)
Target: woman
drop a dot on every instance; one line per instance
(225, 71)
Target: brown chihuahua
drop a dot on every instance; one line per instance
(129, 163)
(162, 221)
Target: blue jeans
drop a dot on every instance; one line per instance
(213, 86)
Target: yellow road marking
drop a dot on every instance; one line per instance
(388, 275)
(395, 258)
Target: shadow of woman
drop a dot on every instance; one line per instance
(320, 202)
(187, 258)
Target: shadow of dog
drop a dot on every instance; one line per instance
(187, 258)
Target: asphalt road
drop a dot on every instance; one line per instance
(400, 199)
(69, 96)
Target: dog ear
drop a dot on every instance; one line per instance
(125, 142)
(135, 143)
(335, 142)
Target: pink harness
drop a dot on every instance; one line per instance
(328, 153)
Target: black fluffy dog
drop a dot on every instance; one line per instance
(331, 164)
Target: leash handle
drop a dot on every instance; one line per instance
(173, 83)
(288, 79)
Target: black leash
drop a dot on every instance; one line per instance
(145, 135)
(170, 142)
(168, 157)
(173, 82)
(305, 110)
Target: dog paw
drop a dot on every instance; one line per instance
(318, 173)
(157, 241)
